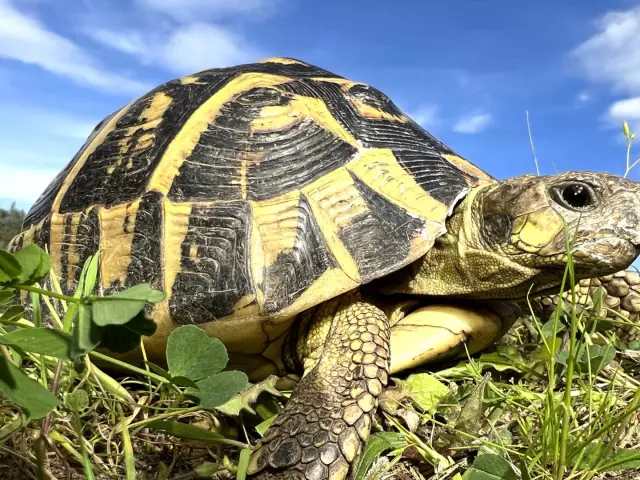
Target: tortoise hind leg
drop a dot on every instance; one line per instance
(438, 332)
(327, 419)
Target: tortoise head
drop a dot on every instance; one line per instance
(506, 239)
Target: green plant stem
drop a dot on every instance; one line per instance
(86, 463)
(37, 321)
(551, 403)
(69, 317)
(66, 444)
(129, 459)
(57, 288)
(628, 156)
(163, 416)
(146, 365)
(52, 311)
(11, 323)
(46, 424)
(630, 138)
(59, 296)
(613, 421)
(566, 403)
(618, 433)
(550, 412)
(40, 449)
(132, 368)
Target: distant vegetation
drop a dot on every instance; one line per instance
(10, 224)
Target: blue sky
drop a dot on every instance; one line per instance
(466, 70)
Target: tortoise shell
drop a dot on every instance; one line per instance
(253, 191)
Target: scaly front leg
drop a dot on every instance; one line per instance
(345, 350)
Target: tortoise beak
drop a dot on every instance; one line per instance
(609, 237)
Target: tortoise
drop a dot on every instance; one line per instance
(312, 226)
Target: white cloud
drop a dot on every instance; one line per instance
(184, 49)
(584, 97)
(25, 39)
(127, 42)
(198, 46)
(24, 184)
(627, 109)
(189, 10)
(612, 55)
(472, 123)
(427, 116)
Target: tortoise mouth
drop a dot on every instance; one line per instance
(608, 253)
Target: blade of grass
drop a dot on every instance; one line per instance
(533, 150)
(86, 462)
(129, 458)
(59, 296)
(127, 366)
(243, 464)
(66, 444)
(566, 403)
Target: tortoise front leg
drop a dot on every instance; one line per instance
(345, 350)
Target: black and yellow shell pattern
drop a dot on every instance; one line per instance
(258, 190)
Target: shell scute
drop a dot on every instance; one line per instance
(256, 190)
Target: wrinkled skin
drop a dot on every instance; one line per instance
(508, 239)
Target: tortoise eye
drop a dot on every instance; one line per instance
(575, 196)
